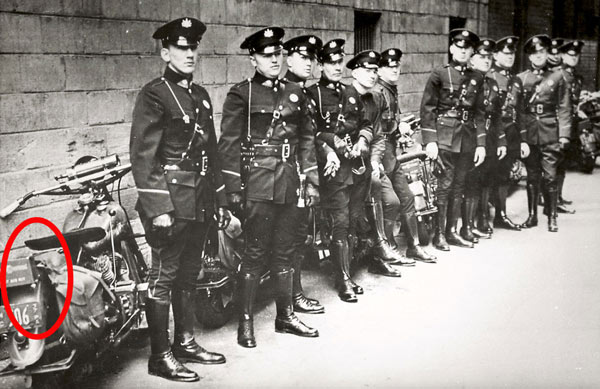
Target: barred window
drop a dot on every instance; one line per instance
(365, 30)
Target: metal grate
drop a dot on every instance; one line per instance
(365, 30)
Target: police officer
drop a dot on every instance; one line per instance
(174, 162)
(479, 180)
(267, 120)
(451, 107)
(547, 119)
(364, 68)
(570, 53)
(345, 134)
(510, 121)
(392, 128)
(302, 51)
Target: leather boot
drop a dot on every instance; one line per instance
(552, 199)
(301, 302)
(286, 320)
(439, 237)
(382, 248)
(245, 300)
(452, 236)
(466, 231)
(162, 362)
(483, 224)
(341, 257)
(501, 220)
(351, 244)
(411, 230)
(184, 346)
(532, 199)
(473, 210)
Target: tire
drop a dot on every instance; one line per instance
(424, 230)
(214, 307)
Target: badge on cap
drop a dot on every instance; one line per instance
(268, 33)
(392, 52)
(352, 100)
(535, 39)
(332, 44)
(312, 40)
(550, 82)
(206, 104)
(294, 98)
(509, 40)
(465, 33)
(371, 54)
(186, 23)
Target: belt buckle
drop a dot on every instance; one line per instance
(341, 118)
(204, 166)
(465, 116)
(276, 114)
(348, 140)
(285, 151)
(539, 109)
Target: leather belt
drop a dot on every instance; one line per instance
(191, 165)
(283, 151)
(459, 114)
(540, 109)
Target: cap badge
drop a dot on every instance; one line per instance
(312, 40)
(294, 98)
(509, 40)
(268, 33)
(371, 54)
(332, 44)
(495, 88)
(206, 104)
(575, 44)
(186, 23)
(352, 100)
(536, 39)
(392, 52)
(465, 33)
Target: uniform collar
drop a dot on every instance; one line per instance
(458, 66)
(183, 80)
(329, 84)
(292, 77)
(540, 70)
(501, 70)
(387, 85)
(264, 81)
(568, 68)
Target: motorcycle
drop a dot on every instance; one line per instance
(110, 278)
(586, 141)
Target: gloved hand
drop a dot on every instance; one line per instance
(223, 217)
(404, 129)
(564, 142)
(501, 152)
(162, 225)
(235, 200)
(431, 149)
(339, 145)
(332, 165)
(524, 150)
(312, 195)
(479, 155)
(361, 148)
(376, 169)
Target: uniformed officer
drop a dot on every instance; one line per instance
(570, 53)
(364, 68)
(174, 162)
(547, 119)
(479, 180)
(554, 57)
(345, 134)
(451, 107)
(392, 129)
(302, 51)
(265, 125)
(510, 120)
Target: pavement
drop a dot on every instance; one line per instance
(521, 310)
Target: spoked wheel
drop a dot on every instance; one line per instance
(214, 307)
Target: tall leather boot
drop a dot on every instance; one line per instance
(162, 362)
(501, 220)
(532, 199)
(552, 199)
(483, 224)
(301, 302)
(343, 282)
(351, 244)
(467, 210)
(411, 230)
(439, 237)
(382, 249)
(452, 236)
(563, 205)
(286, 320)
(184, 346)
(473, 211)
(245, 300)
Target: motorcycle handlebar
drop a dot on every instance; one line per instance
(10, 208)
(402, 158)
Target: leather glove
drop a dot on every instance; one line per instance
(404, 129)
(479, 155)
(501, 152)
(432, 150)
(377, 168)
(223, 218)
(524, 150)
(312, 195)
(339, 145)
(564, 142)
(362, 147)
(235, 200)
(162, 225)
(332, 165)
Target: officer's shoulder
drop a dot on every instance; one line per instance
(242, 84)
(154, 84)
(524, 73)
(200, 90)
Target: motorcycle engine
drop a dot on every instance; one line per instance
(110, 272)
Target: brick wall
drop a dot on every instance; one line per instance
(71, 70)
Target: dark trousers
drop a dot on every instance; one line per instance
(270, 236)
(503, 168)
(177, 262)
(542, 163)
(451, 183)
(481, 176)
(397, 196)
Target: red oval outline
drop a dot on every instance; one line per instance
(8, 247)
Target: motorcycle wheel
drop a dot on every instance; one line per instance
(214, 307)
(424, 229)
(587, 164)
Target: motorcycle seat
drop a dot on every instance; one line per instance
(73, 238)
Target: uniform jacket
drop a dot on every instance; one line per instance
(511, 106)
(339, 111)
(495, 132)
(390, 118)
(160, 134)
(279, 115)
(375, 106)
(547, 106)
(452, 92)
(575, 82)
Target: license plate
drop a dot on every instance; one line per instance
(28, 315)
